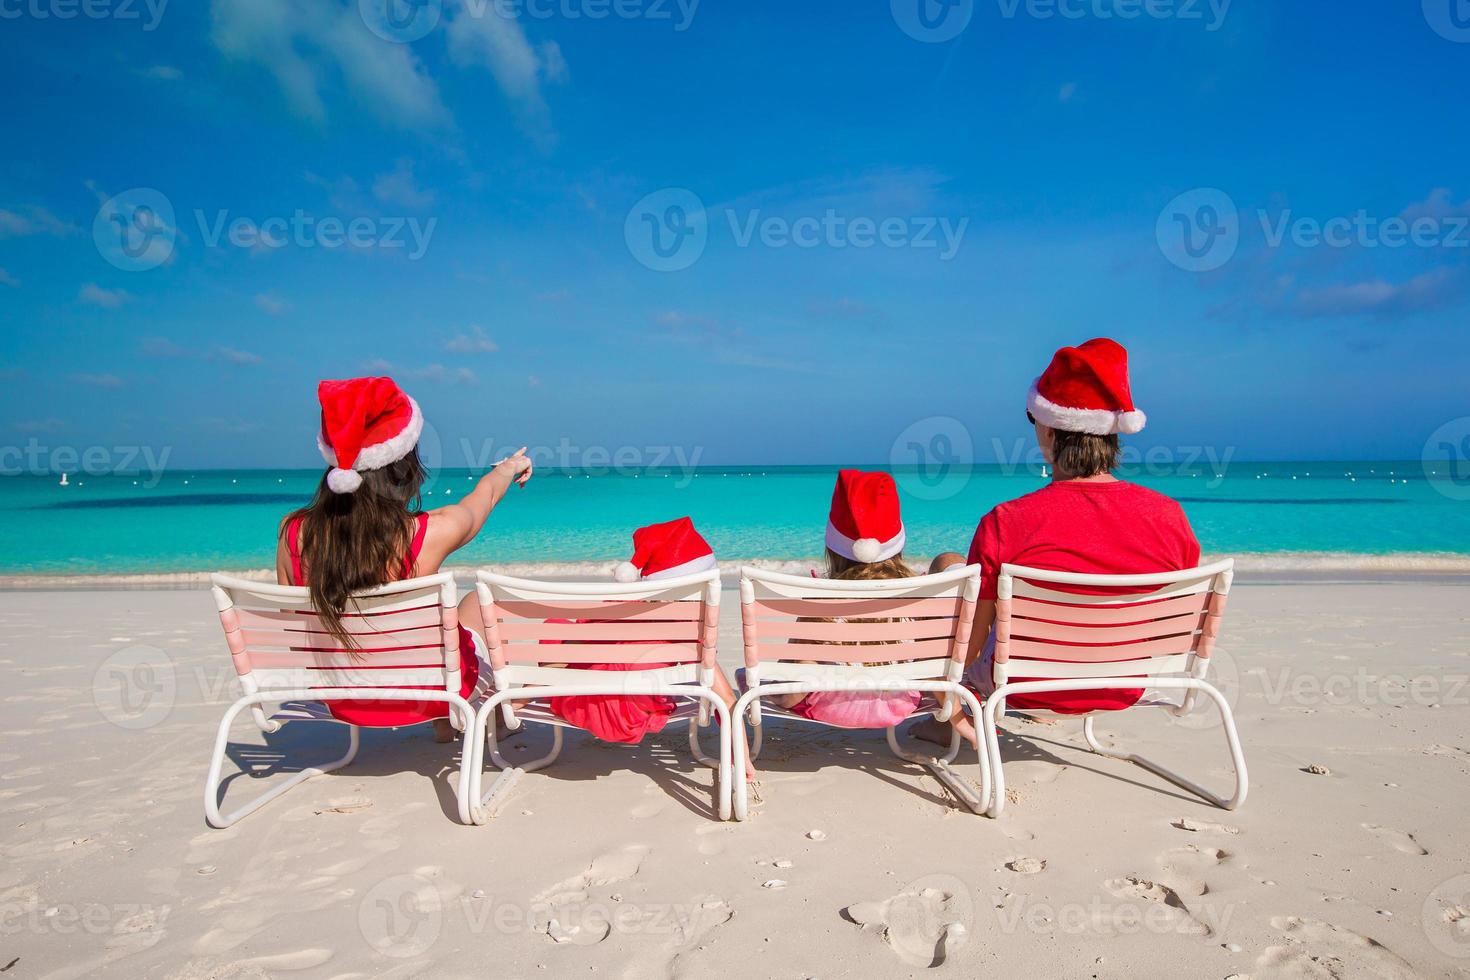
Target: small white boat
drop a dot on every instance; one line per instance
(1044, 474)
(64, 482)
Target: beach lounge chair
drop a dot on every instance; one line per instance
(1151, 631)
(407, 636)
(671, 621)
(917, 644)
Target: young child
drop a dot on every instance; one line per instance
(364, 528)
(865, 539)
(660, 551)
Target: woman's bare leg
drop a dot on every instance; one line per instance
(727, 694)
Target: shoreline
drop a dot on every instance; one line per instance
(1262, 567)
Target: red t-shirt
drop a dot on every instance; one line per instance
(1113, 528)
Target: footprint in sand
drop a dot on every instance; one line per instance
(1320, 949)
(1186, 922)
(925, 923)
(712, 837)
(1204, 826)
(564, 913)
(1397, 839)
(1192, 857)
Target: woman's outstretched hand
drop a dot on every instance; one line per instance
(517, 467)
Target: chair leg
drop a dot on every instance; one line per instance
(1232, 739)
(990, 742)
(736, 720)
(212, 812)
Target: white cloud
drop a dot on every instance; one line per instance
(500, 45)
(1439, 205)
(473, 342)
(6, 279)
(163, 73)
(236, 356)
(1066, 92)
(399, 187)
(96, 380)
(163, 347)
(308, 46)
(271, 304)
(1423, 292)
(39, 425)
(108, 299)
(32, 221)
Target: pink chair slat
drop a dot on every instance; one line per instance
(1020, 649)
(600, 653)
(286, 619)
(428, 638)
(857, 653)
(677, 610)
(264, 659)
(1211, 628)
(916, 629)
(1104, 632)
(520, 629)
(850, 608)
(1108, 614)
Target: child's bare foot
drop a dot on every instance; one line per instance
(444, 732)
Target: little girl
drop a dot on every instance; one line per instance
(660, 551)
(364, 528)
(865, 539)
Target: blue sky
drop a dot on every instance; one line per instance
(1024, 170)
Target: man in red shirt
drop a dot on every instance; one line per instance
(1085, 520)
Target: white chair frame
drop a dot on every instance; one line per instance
(765, 676)
(526, 682)
(1188, 654)
(326, 672)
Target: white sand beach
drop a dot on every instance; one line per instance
(1349, 858)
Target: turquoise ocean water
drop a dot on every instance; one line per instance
(1298, 515)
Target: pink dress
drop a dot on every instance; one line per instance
(392, 714)
(858, 709)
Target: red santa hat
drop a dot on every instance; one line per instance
(367, 423)
(1085, 389)
(666, 550)
(864, 523)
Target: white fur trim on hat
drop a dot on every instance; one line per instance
(1095, 421)
(865, 550)
(343, 481)
(626, 572)
(377, 456)
(701, 564)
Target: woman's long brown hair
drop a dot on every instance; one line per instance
(356, 541)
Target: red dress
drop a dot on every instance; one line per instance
(622, 718)
(392, 714)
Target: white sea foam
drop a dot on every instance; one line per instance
(1309, 563)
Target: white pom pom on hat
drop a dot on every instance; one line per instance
(626, 572)
(867, 550)
(343, 481)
